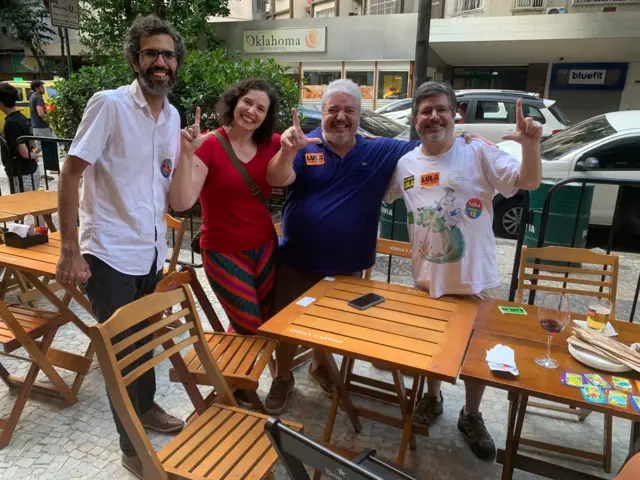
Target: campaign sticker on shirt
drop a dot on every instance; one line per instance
(166, 167)
(457, 178)
(314, 158)
(473, 208)
(408, 182)
(430, 179)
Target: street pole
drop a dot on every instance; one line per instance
(422, 50)
(66, 40)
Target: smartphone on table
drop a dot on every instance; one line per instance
(366, 301)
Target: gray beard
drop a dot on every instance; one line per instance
(155, 89)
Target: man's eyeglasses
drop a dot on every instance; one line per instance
(152, 55)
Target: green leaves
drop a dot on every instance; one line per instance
(201, 82)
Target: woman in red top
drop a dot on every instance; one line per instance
(238, 241)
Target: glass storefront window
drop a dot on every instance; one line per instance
(315, 83)
(365, 81)
(392, 85)
(502, 78)
(327, 12)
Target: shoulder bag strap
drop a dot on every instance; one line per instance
(255, 189)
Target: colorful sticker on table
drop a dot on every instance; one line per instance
(512, 310)
(593, 394)
(635, 402)
(617, 399)
(430, 179)
(597, 381)
(314, 158)
(166, 167)
(408, 182)
(621, 384)
(473, 208)
(573, 380)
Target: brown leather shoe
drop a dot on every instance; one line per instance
(278, 395)
(160, 421)
(322, 378)
(133, 464)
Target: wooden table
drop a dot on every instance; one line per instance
(528, 340)
(410, 332)
(40, 202)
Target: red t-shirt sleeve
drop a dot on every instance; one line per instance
(205, 151)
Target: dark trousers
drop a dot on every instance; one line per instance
(108, 290)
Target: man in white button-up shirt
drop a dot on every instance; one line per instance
(126, 146)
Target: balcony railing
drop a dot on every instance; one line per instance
(464, 6)
(604, 2)
(528, 4)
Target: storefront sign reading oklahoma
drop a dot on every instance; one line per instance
(285, 40)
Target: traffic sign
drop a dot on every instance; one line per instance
(65, 13)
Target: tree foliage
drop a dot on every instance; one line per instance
(103, 23)
(26, 21)
(201, 82)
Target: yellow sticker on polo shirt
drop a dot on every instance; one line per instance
(408, 182)
(314, 158)
(430, 179)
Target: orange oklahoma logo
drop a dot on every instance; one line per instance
(312, 38)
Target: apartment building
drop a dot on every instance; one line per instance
(582, 53)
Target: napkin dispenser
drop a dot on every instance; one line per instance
(22, 236)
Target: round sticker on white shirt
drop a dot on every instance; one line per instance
(166, 167)
(457, 179)
(473, 208)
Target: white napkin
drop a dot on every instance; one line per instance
(609, 331)
(502, 358)
(21, 230)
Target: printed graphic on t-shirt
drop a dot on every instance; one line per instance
(442, 240)
(314, 158)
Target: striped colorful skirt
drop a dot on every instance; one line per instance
(243, 283)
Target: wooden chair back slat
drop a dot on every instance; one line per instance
(130, 340)
(395, 248)
(179, 225)
(603, 278)
(187, 276)
(149, 309)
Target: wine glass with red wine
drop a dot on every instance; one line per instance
(554, 315)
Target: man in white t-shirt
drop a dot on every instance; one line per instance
(448, 187)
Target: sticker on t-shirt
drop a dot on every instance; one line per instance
(430, 179)
(473, 208)
(408, 182)
(314, 158)
(457, 179)
(166, 167)
(440, 238)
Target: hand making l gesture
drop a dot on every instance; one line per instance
(191, 137)
(294, 139)
(528, 131)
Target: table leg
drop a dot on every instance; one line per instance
(406, 408)
(49, 221)
(514, 401)
(522, 409)
(345, 398)
(607, 441)
(634, 439)
(335, 402)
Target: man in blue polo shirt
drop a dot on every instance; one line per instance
(336, 182)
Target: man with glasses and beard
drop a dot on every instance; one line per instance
(126, 147)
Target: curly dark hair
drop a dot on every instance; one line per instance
(148, 26)
(230, 98)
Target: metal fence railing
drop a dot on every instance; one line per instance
(528, 4)
(528, 215)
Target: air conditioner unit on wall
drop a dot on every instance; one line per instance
(555, 10)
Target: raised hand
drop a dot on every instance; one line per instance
(528, 131)
(191, 137)
(294, 139)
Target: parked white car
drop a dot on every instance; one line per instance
(491, 113)
(605, 146)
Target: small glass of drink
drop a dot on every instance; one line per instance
(598, 313)
(554, 315)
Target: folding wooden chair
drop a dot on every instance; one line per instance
(222, 441)
(241, 358)
(34, 331)
(556, 274)
(178, 226)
